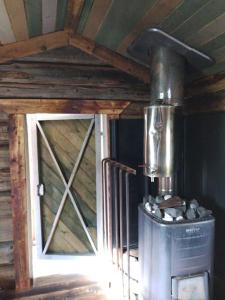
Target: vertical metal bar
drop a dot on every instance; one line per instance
(104, 203)
(109, 210)
(106, 217)
(101, 129)
(128, 232)
(115, 178)
(121, 223)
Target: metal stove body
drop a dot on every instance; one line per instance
(176, 258)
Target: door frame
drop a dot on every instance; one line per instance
(102, 151)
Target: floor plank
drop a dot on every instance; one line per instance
(59, 287)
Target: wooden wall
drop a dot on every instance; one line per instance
(6, 234)
(68, 73)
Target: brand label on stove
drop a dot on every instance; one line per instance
(192, 229)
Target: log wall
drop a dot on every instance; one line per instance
(6, 233)
(72, 75)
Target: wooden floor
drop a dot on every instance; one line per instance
(59, 288)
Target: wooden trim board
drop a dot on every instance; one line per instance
(25, 106)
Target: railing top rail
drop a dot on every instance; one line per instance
(119, 165)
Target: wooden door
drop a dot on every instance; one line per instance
(67, 185)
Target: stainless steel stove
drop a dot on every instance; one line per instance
(176, 236)
(176, 258)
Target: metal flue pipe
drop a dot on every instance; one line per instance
(167, 57)
(159, 128)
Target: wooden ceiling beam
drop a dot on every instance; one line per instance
(26, 106)
(33, 46)
(110, 57)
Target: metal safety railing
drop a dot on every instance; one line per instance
(116, 209)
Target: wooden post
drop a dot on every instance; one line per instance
(19, 200)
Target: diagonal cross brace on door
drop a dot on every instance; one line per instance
(67, 187)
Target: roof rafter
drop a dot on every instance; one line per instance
(110, 57)
(34, 45)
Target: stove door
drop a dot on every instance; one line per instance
(191, 287)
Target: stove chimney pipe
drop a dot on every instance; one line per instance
(167, 57)
(167, 75)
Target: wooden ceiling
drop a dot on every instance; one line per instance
(116, 23)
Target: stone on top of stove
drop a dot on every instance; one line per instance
(179, 210)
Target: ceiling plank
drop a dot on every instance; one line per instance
(214, 44)
(33, 46)
(110, 57)
(120, 20)
(153, 17)
(210, 31)
(181, 13)
(219, 54)
(17, 16)
(207, 13)
(84, 15)
(96, 17)
(25, 106)
(73, 14)
(62, 6)
(6, 32)
(34, 17)
(49, 13)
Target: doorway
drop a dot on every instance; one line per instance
(65, 154)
